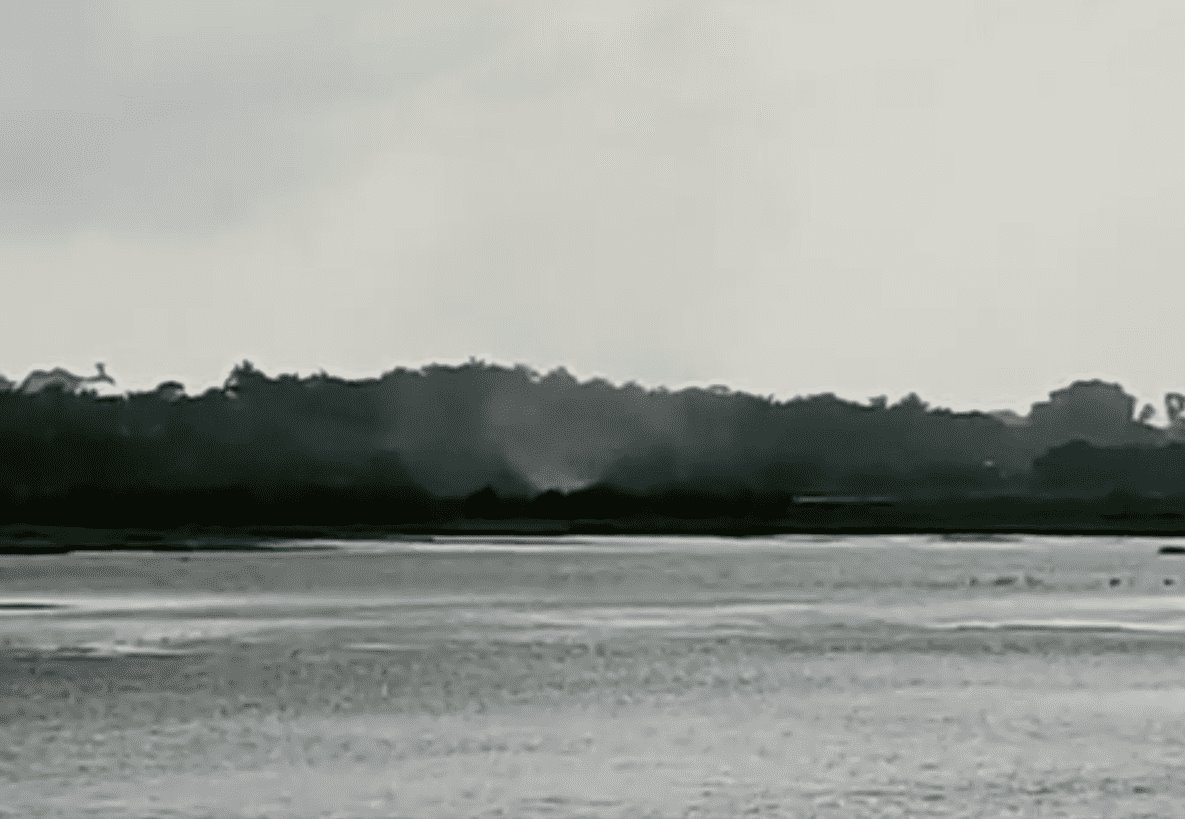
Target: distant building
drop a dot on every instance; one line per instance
(64, 380)
(1095, 410)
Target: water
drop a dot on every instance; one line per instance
(598, 677)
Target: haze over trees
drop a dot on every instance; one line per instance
(483, 430)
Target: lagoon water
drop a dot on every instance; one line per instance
(598, 677)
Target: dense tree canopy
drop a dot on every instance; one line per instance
(451, 431)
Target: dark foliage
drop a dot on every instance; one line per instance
(484, 441)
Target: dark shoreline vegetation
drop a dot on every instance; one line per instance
(608, 514)
(484, 449)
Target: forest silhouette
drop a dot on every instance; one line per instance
(483, 441)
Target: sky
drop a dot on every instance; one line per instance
(976, 200)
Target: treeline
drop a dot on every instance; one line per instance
(475, 440)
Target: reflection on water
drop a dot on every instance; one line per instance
(597, 677)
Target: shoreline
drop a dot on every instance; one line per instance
(45, 540)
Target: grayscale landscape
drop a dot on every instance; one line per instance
(632, 409)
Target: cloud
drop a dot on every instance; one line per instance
(130, 116)
(972, 199)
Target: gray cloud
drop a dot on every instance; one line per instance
(970, 199)
(133, 116)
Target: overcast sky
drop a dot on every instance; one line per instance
(979, 201)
